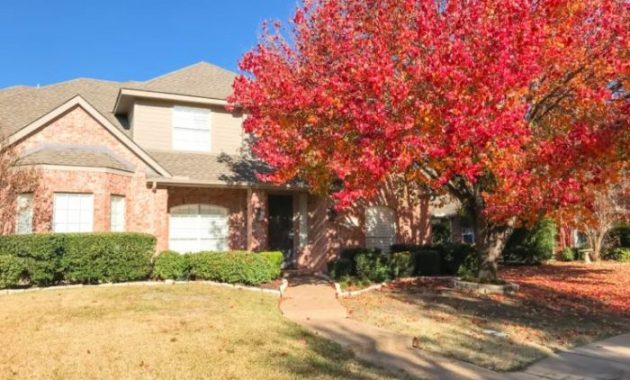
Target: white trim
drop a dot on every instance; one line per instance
(79, 101)
(165, 96)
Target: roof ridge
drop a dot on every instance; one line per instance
(200, 63)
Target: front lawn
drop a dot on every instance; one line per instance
(559, 306)
(167, 331)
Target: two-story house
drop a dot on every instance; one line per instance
(164, 157)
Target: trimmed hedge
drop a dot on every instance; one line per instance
(11, 271)
(41, 254)
(373, 265)
(427, 262)
(81, 257)
(404, 260)
(401, 264)
(107, 257)
(340, 268)
(275, 259)
(171, 265)
(235, 267)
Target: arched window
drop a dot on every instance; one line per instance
(198, 227)
(380, 227)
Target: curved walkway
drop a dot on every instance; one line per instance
(312, 303)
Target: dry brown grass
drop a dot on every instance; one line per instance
(167, 332)
(558, 307)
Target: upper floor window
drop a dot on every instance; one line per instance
(191, 129)
(24, 220)
(73, 212)
(117, 214)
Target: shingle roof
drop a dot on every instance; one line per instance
(207, 167)
(73, 157)
(21, 105)
(202, 79)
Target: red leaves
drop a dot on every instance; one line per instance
(513, 91)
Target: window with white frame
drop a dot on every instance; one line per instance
(380, 227)
(73, 212)
(117, 214)
(198, 227)
(191, 129)
(24, 216)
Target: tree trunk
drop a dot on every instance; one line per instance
(595, 240)
(490, 239)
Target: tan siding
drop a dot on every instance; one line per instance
(152, 125)
(227, 132)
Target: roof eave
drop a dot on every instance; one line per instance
(125, 97)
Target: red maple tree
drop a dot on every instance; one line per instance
(511, 106)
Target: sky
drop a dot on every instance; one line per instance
(49, 41)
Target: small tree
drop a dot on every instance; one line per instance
(13, 181)
(605, 207)
(506, 105)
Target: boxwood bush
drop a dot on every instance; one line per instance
(373, 265)
(107, 257)
(41, 254)
(237, 267)
(171, 265)
(11, 271)
(427, 262)
(81, 257)
(401, 264)
(274, 262)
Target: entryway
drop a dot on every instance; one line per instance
(280, 231)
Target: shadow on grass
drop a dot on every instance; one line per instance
(539, 318)
(327, 358)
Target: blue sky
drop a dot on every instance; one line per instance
(48, 41)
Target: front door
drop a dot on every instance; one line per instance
(281, 225)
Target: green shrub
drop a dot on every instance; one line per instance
(274, 262)
(171, 265)
(373, 265)
(567, 254)
(427, 262)
(469, 269)
(107, 257)
(401, 264)
(453, 256)
(619, 254)
(531, 246)
(340, 268)
(350, 254)
(231, 267)
(41, 254)
(11, 271)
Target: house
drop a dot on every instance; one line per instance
(165, 157)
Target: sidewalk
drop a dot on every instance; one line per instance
(312, 303)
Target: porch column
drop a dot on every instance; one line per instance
(257, 220)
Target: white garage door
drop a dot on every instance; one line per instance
(380, 227)
(198, 227)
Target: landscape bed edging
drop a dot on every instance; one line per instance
(478, 288)
(353, 293)
(278, 292)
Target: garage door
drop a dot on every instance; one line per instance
(380, 227)
(198, 227)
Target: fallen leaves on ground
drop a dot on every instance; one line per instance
(558, 306)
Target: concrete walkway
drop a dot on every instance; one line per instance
(312, 303)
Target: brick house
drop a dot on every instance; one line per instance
(165, 157)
